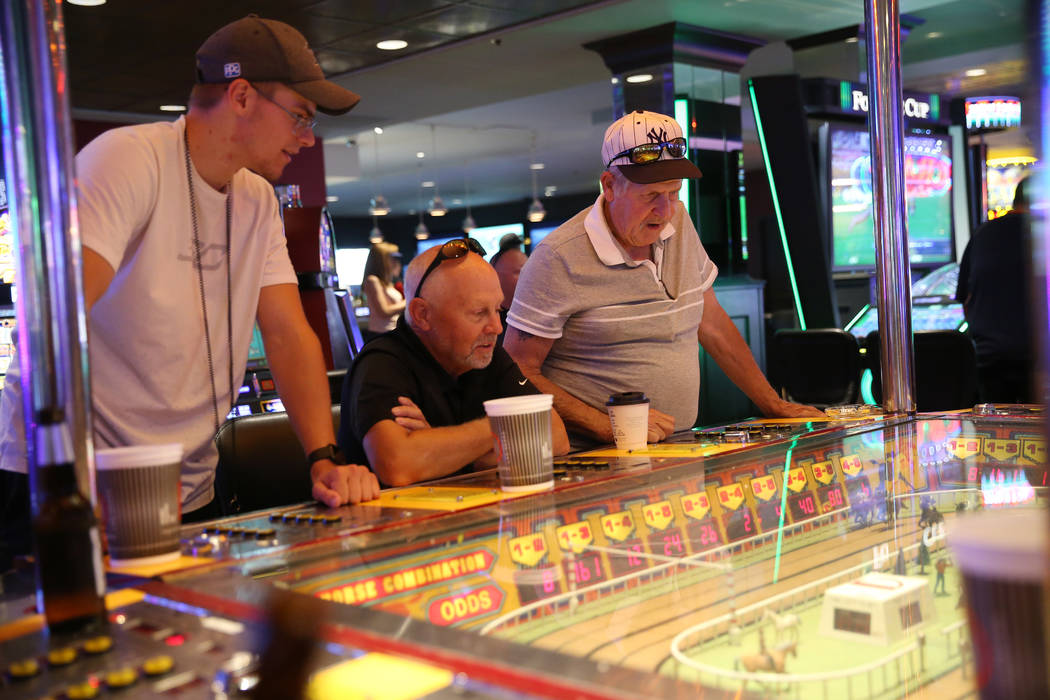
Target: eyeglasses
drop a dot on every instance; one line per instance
(648, 152)
(302, 123)
(456, 248)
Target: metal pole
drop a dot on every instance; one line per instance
(893, 278)
(34, 106)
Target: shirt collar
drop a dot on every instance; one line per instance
(608, 249)
(417, 347)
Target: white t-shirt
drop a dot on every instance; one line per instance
(149, 366)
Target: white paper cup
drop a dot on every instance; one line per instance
(139, 490)
(521, 429)
(1002, 556)
(629, 416)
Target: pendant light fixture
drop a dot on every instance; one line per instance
(375, 235)
(422, 233)
(378, 205)
(468, 220)
(436, 207)
(536, 212)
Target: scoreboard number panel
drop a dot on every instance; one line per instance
(536, 584)
(769, 515)
(739, 525)
(831, 497)
(703, 534)
(629, 557)
(803, 506)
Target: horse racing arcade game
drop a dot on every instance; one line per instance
(817, 158)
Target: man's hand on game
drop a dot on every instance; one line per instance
(408, 415)
(788, 409)
(336, 484)
(660, 425)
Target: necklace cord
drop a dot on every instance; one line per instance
(198, 263)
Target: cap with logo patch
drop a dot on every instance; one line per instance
(641, 128)
(266, 50)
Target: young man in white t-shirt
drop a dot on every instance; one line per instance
(183, 250)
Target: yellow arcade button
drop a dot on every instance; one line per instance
(63, 656)
(158, 665)
(98, 645)
(121, 677)
(82, 691)
(27, 668)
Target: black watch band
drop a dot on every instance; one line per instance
(329, 452)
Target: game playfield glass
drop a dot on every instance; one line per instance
(793, 560)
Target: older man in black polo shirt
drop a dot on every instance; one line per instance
(412, 403)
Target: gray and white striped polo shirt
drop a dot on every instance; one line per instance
(618, 324)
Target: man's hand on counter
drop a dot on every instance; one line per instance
(788, 409)
(336, 484)
(661, 425)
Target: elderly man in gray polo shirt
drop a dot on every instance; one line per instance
(616, 298)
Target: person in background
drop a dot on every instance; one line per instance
(385, 302)
(616, 298)
(183, 252)
(413, 399)
(993, 289)
(507, 262)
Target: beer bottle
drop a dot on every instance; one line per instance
(71, 583)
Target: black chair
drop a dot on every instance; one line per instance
(261, 463)
(353, 330)
(820, 367)
(335, 384)
(945, 367)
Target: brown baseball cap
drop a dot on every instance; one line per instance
(266, 50)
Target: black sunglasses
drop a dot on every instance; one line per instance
(456, 248)
(648, 152)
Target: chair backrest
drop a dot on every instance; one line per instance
(819, 366)
(335, 384)
(945, 365)
(353, 330)
(261, 463)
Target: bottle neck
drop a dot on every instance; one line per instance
(57, 481)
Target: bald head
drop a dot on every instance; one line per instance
(457, 316)
(508, 267)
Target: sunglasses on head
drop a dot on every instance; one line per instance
(648, 152)
(455, 248)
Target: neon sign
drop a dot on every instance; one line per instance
(992, 112)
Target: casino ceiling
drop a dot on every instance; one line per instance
(486, 87)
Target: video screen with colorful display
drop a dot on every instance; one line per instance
(487, 236)
(928, 194)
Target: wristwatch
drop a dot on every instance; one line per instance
(329, 451)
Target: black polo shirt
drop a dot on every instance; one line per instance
(398, 364)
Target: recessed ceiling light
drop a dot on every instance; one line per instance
(378, 130)
(852, 40)
(392, 44)
(87, 3)
(420, 154)
(331, 198)
(639, 78)
(536, 166)
(173, 108)
(934, 35)
(976, 72)
(427, 183)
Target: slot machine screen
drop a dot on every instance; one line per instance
(928, 195)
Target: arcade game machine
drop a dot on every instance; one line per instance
(790, 559)
(311, 247)
(995, 160)
(7, 284)
(826, 225)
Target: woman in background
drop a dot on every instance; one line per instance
(385, 302)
